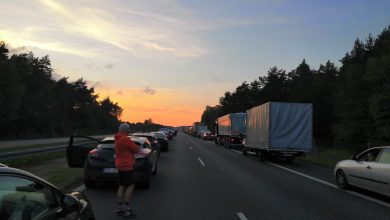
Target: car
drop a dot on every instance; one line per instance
(152, 139)
(98, 159)
(162, 139)
(26, 196)
(207, 135)
(369, 169)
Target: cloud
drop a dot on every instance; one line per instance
(149, 91)
(56, 76)
(18, 50)
(108, 66)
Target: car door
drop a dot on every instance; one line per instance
(359, 172)
(78, 149)
(381, 173)
(153, 154)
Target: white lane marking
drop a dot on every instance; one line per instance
(80, 188)
(191, 148)
(328, 184)
(332, 185)
(237, 151)
(304, 175)
(201, 162)
(241, 216)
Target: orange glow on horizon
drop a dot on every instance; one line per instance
(166, 107)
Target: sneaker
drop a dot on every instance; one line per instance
(128, 214)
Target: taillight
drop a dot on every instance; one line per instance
(93, 153)
(155, 142)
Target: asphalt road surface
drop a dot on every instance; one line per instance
(199, 180)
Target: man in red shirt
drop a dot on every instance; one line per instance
(125, 149)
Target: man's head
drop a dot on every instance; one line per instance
(124, 128)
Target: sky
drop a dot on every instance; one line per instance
(167, 59)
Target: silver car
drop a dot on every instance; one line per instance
(369, 169)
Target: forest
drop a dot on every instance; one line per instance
(33, 104)
(351, 103)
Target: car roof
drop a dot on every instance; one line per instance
(109, 138)
(143, 134)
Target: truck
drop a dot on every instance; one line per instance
(197, 129)
(279, 129)
(230, 130)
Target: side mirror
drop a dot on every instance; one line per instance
(70, 203)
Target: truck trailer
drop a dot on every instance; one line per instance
(278, 129)
(230, 130)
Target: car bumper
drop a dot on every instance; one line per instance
(141, 172)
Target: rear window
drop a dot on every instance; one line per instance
(160, 135)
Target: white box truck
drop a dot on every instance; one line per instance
(230, 130)
(278, 129)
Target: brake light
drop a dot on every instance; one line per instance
(93, 153)
(140, 155)
(155, 142)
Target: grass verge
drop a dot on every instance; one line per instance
(328, 156)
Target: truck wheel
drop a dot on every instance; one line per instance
(262, 156)
(290, 159)
(244, 152)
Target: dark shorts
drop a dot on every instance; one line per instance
(126, 178)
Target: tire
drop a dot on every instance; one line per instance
(290, 160)
(262, 156)
(244, 152)
(342, 180)
(155, 170)
(145, 184)
(89, 183)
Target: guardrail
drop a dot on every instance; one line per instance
(13, 154)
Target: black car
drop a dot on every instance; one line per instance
(98, 159)
(26, 196)
(151, 138)
(162, 139)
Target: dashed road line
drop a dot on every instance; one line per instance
(241, 216)
(201, 162)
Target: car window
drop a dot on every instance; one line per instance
(385, 157)
(24, 199)
(369, 156)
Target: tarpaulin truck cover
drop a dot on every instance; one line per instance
(232, 124)
(280, 126)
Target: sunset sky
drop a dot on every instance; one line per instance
(168, 59)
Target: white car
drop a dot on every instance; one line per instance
(369, 169)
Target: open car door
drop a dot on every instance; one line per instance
(78, 149)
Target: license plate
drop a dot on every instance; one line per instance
(110, 170)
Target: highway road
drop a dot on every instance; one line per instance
(199, 180)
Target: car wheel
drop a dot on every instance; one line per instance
(262, 156)
(341, 179)
(155, 170)
(89, 183)
(146, 184)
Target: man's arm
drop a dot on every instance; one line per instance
(133, 147)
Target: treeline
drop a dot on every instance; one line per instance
(351, 104)
(33, 104)
(147, 126)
